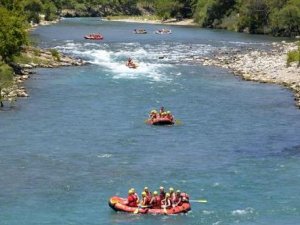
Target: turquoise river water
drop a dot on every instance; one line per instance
(80, 137)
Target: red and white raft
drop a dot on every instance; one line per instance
(160, 121)
(119, 204)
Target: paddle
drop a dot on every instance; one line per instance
(136, 211)
(178, 122)
(199, 201)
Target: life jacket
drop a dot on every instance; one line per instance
(167, 203)
(145, 201)
(158, 202)
(149, 196)
(184, 197)
(131, 201)
(173, 197)
(135, 197)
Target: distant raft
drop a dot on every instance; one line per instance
(140, 31)
(132, 65)
(119, 204)
(94, 37)
(163, 31)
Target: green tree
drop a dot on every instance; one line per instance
(50, 11)
(166, 9)
(13, 34)
(32, 8)
(209, 13)
(254, 16)
(286, 21)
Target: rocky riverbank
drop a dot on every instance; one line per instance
(261, 66)
(30, 59)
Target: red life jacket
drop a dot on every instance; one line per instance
(131, 201)
(145, 201)
(149, 196)
(158, 202)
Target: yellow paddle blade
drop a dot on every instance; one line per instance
(200, 201)
(178, 122)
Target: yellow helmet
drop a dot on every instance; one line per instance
(171, 189)
(146, 188)
(168, 195)
(143, 193)
(155, 193)
(130, 191)
(168, 112)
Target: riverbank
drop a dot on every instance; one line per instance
(261, 66)
(31, 58)
(152, 20)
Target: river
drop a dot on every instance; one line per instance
(81, 138)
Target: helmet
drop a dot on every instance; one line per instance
(130, 191)
(171, 189)
(168, 112)
(168, 195)
(161, 188)
(133, 190)
(155, 193)
(146, 188)
(143, 193)
(178, 191)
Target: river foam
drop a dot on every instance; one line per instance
(153, 59)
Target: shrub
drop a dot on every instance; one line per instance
(293, 56)
(55, 54)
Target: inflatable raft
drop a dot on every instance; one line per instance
(160, 121)
(119, 204)
(94, 37)
(132, 66)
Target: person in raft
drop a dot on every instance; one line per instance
(145, 202)
(136, 195)
(131, 199)
(155, 201)
(161, 111)
(130, 63)
(166, 203)
(162, 193)
(148, 193)
(177, 201)
(172, 194)
(153, 114)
